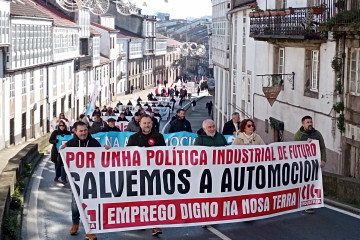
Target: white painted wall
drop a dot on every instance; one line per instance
(291, 105)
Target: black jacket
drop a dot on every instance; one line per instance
(151, 140)
(122, 120)
(88, 142)
(180, 125)
(156, 124)
(158, 115)
(53, 139)
(229, 128)
(128, 113)
(96, 112)
(110, 129)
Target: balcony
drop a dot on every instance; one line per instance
(83, 62)
(345, 16)
(296, 24)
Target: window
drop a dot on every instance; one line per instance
(314, 80)
(281, 62)
(23, 83)
(12, 86)
(32, 80)
(355, 71)
(41, 78)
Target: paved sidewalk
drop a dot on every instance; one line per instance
(9, 152)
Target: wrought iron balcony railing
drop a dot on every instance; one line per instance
(296, 23)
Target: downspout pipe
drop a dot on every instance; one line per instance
(229, 95)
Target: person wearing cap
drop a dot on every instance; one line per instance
(111, 126)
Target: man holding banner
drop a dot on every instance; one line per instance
(210, 137)
(146, 137)
(81, 138)
(308, 133)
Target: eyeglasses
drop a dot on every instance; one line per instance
(250, 125)
(61, 125)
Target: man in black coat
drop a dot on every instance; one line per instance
(122, 118)
(146, 137)
(232, 126)
(111, 126)
(156, 124)
(180, 124)
(81, 138)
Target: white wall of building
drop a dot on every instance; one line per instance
(291, 105)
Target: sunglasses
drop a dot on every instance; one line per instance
(250, 125)
(61, 125)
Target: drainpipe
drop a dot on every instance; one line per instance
(47, 101)
(229, 15)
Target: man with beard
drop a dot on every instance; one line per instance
(180, 124)
(307, 133)
(133, 125)
(146, 137)
(210, 137)
(81, 138)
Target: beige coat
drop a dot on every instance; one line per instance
(243, 139)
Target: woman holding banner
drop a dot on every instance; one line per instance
(246, 134)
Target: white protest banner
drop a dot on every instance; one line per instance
(135, 188)
(122, 125)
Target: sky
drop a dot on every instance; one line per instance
(176, 8)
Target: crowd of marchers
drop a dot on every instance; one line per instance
(146, 128)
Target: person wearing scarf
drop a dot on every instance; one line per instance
(246, 134)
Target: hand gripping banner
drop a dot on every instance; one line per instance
(134, 188)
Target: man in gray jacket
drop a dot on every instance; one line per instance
(133, 125)
(98, 125)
